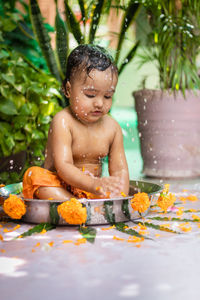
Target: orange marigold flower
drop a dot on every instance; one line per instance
(14, 207)
(2, 185)
(165, 201)
(73, 212)
(1, 238)
(2, 250)
(135, 239)
(51, 244)
(140, 202)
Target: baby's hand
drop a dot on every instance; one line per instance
(109, 187)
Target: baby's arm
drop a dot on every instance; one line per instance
(117, 160)
(61, 143)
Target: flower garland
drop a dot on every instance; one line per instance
(73, 212)
(140, 202)
(166, 199)
(14, 207)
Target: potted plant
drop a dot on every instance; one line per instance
(168, 117)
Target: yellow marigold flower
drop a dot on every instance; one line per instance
(192, 198)
(37, 245)
(183, 199)
(16, 227)
(142, 227)
(73, 212)
(108, 228)
(14, 207)
(43, 231)
(140, 202)
(166, 189)
(135, 239)
(123, 194)
(195, 217)
(80, 241)
(165, 201)
(180, 211)
(67, 241)
(185, 228)
(117, 238)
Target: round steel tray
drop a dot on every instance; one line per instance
(99, 211)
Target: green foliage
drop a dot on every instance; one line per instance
(174, 42)
(28, 101)
(84, 30)
(16, 31)
(89, 233)
(37, 229)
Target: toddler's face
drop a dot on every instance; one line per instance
(91, 96)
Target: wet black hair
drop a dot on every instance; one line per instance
(88, 57)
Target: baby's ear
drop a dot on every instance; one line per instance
(67, 89)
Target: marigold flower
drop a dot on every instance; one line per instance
(192, 198)
(14, 207)
(1, 238)
(123, 194)
(73, 212)
(67, 241)
(118, 238)
(195, 217)
(165, 201)
(2, 250)
(140, 202)
(80, 241)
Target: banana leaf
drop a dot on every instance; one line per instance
(129, 57)
(129, 16)
(95, 20)
(73, 24)
(62, 42)
(43, 38)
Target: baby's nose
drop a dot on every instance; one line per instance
(98, 102)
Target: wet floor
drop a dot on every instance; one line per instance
(58, 264)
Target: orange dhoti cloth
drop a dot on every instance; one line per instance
(36, 177)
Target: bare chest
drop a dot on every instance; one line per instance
(90, 145)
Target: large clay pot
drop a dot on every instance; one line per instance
(169, 130)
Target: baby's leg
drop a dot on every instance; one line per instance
(53, 193)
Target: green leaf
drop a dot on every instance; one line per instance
(37, 135)
(54, 216)
(89, 233)
(158, 227)
(43, 38)
(37, 229)
(62, 42)
(173, 219)
(8, 107)
(109, 215)
(83, 11)
(95, 20)
(73, 24)
(129, 16)
(121, 227)
(129, 57)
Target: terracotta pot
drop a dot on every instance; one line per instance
(169, 130)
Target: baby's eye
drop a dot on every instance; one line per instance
(107, 97)
(89, 96)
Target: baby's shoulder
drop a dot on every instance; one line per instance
(111, 122)
(63, 116)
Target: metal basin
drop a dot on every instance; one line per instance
(99, 211)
